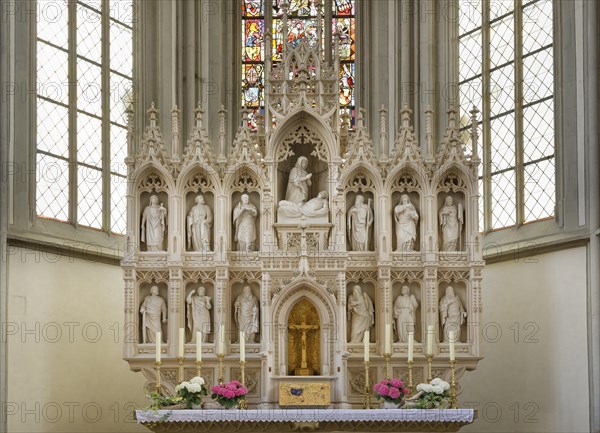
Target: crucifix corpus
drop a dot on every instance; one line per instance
(303, 329)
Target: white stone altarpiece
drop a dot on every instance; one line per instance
(303, 213)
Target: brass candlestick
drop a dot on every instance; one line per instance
(199, 368)
(243, 402)
(220, 356)
(453, 402)
(180, 371)
(367, 400)
(387, 357)
(157, 368)
(410, 376)
(429, 358)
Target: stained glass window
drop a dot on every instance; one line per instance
(258, 15)
(81, 132)
(517, 111)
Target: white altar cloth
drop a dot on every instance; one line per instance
(306, 415)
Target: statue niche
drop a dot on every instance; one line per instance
(304, 342)
(199, 221)
(451, 222)
(302, 180)
(245, 219)
(154, 221)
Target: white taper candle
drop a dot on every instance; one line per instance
(242, 346)
(429, 340)
(158, 341)
(366, 342)
(221, 339)
(388, 338)
(181, 342)
(411, 344)
(198, 346)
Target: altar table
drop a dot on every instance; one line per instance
(307, 420)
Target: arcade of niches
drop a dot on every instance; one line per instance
(299, 234)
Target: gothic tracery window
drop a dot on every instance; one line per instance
(506, 71)
(84, 78)
(259, 15)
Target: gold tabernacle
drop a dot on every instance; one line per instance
(304, 394)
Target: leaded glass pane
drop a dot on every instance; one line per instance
(52, 22)
(502, 90)
(118, 204)
(302, 25)
(537, 25)
(538, 76)
(89, 34)
(344, 29)
(499, 8)
(504, 206)
(502, 143)
(118, 149)
(538, 131)
(537, 82)
(469, 15)
(89, 196)
(502, 41)
(470, 53)
(89, 140)
(470, 95)
(53, 140)
(120, 92)
(52, 177)
(539, 190)
(52, 128)
(343, 7)
(253, 47)
(346, 84)
(52, 73)
(122, 11)
(89, 87)
(121, 47)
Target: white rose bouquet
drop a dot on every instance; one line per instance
(432, 395)
(191, 392)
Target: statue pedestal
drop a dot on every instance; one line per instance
(289, 237)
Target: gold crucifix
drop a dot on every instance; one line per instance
(304, 329)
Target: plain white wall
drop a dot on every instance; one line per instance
(535, 380)
(62, 381)
(543, 382)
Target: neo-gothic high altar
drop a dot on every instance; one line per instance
(302, 237)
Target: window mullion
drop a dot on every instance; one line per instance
(486, 123)
(105, 92)
(72, 78)
(519, 151)
(328, 31)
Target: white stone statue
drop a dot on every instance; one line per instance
(406, 218)
(314, 210)
(244, 217)
(452, 313)
(361, 314)
(198, 313)
(199, 222)
(298, 182)
(405, 308)
(246, 314)
(153, 308)
(360, 219)
(451, 221)
(153, 225)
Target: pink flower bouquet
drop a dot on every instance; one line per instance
(392, 390)
(229, 394)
